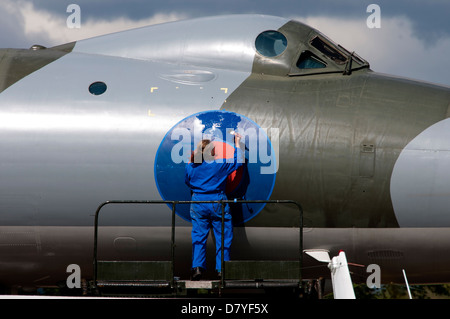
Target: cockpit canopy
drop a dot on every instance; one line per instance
(294, 51)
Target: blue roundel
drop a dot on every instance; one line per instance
(253, 181)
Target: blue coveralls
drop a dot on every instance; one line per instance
(207, 181)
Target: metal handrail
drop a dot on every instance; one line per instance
(97, 213)
(174, 203)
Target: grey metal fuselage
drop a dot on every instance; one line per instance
(364, 153)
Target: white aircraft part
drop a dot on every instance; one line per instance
(407, 284)
(340, 276)
(200, 42)
(319, 254)
(420, 189)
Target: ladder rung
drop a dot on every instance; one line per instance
(153, 284)
(134, 271)
(262, 269)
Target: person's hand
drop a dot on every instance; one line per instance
(237, 139)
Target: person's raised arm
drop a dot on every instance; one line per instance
(237, 139)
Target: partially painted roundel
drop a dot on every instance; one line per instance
(252, 181)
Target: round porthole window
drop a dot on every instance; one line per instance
(97, 88)
(271, 43)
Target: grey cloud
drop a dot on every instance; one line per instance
(429, 17)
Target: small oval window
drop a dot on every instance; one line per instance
(271, 43)
(97, 88)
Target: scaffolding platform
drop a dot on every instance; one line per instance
(158, 277)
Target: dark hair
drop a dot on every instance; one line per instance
(206, 149)
(202, 145)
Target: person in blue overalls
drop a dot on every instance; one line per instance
(207, 180)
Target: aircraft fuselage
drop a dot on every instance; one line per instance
(352, 146)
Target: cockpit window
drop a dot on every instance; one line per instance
(271, 43)
(329, 50)
(308, 60)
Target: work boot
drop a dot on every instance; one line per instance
(196, 273)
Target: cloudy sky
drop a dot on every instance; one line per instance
(413, 41)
